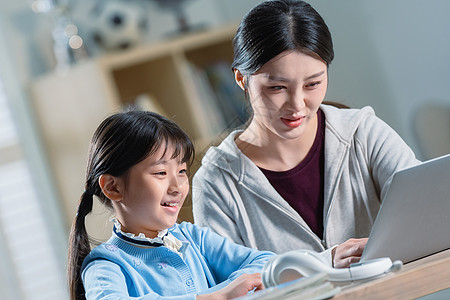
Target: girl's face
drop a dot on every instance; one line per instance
(154, 191)
(286, 93)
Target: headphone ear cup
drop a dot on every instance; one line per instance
(288, 274)
(283, 269)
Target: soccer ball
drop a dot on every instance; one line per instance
(119, 24)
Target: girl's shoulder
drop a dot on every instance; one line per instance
(186, 231)
(186, 228)
(111, 247)
(104, 251)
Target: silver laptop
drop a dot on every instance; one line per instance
(414, 217)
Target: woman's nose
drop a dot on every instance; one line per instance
(297, 101)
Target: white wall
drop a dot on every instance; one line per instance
(392, 55)
(32, 235)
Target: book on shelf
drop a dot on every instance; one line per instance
(313, 287)
(220, 101)
(207, 117)
(206, 97)
(229, 95)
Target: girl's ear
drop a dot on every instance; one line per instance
(111, 186)
(240, 79)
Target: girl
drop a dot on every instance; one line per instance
(302, 174)
(137, 166)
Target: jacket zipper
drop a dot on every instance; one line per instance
(332, 196)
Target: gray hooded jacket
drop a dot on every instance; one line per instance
(234, 198)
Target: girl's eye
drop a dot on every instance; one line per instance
(183, 171)
(160, 173)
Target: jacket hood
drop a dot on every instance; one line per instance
(228, 157)
(344, 122)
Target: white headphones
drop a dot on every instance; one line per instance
(304, 263)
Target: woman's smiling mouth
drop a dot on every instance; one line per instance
(292, 122)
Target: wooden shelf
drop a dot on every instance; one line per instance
(70, 105)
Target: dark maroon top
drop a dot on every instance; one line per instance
(302, 186)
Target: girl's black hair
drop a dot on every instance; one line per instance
(120, 142)
(273, 27)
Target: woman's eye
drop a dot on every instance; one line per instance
(183, 171)
(160, 173)
(313, 84)
(277, 87)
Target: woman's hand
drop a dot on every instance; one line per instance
(237, 288)
(348, 252)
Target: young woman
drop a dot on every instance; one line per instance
(302, 174)
(137, 166)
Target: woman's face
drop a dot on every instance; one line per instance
(286, 93)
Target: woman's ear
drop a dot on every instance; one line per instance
(111, 186)
(240, 79)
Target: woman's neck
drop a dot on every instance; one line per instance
(272, 152)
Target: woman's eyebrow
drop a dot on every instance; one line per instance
(282, 79)
(315, 75)
(276, 78)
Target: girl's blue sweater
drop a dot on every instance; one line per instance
(119, 269)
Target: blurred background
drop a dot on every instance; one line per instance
(65, 65)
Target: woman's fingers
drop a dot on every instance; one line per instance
(348, 252)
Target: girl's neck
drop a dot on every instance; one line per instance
(127, 229)
(272, 152)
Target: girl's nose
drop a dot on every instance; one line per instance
(176, 185)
